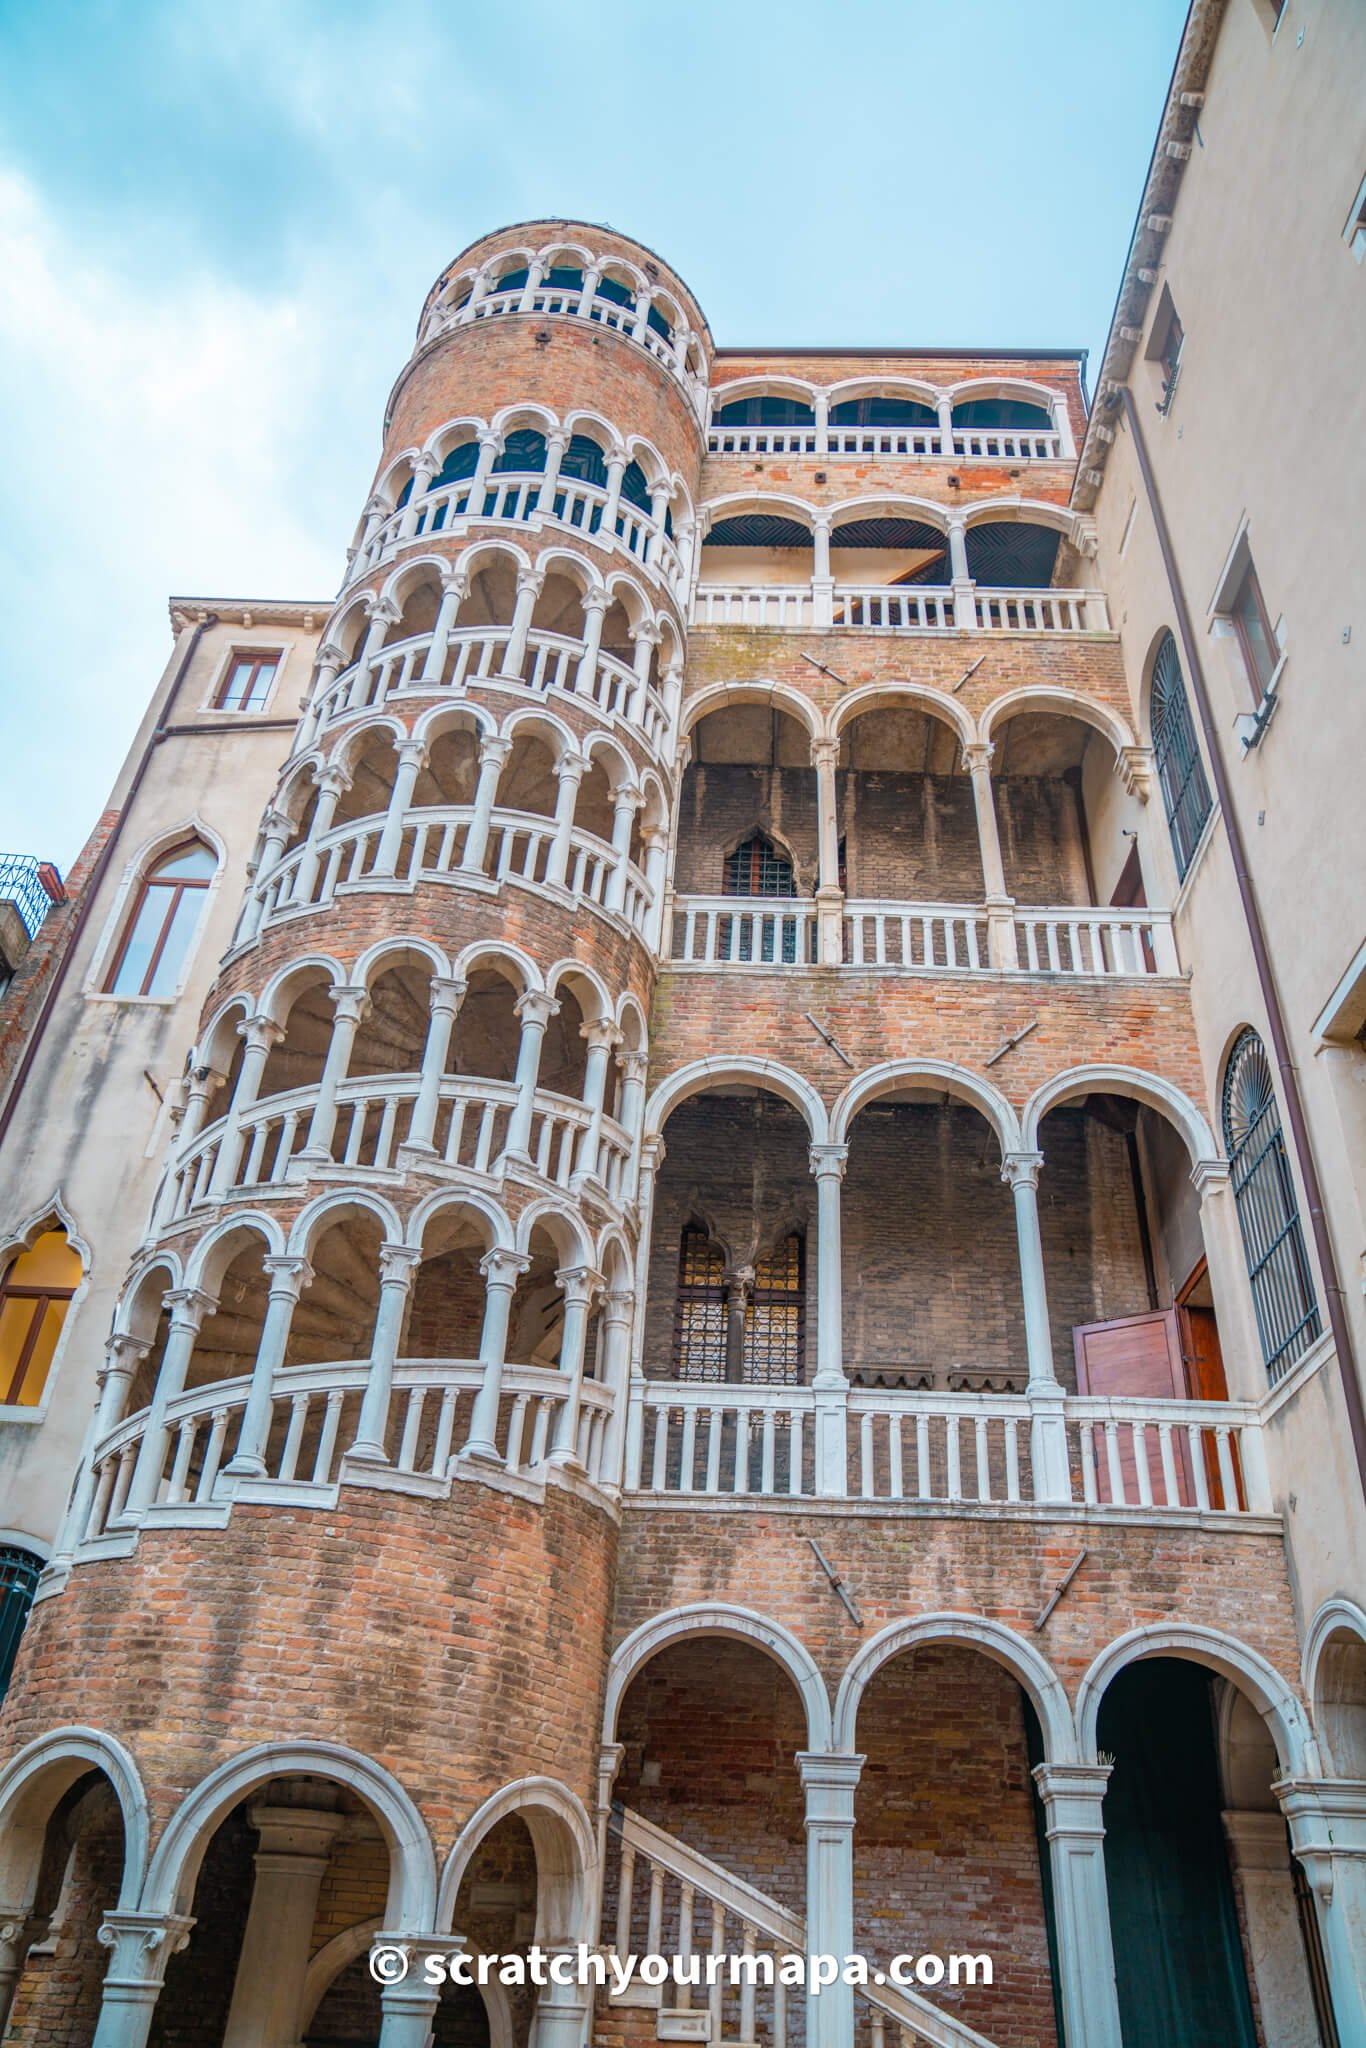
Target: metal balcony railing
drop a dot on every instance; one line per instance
(31, 885)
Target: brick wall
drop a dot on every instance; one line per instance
(57, 2000)
(23, 999)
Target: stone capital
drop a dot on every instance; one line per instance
(455, 583)
(571, 768)
(977, 755)
(446, 992)
(1073, 1797)
(578, 1283)
(398, 1262)
(502, 1267)
(260, 1031)
(1209, 1177)
(123, 1354)
(349, 1002)
(618, 1305)
(828, 1162)
(493, 747)
(189, 1306)
(532, 580)
(289, 1274)
(535, 1008)
(332, 781)
(414, 751)
(1021, 1169)
(601, 1032)
(383, 609)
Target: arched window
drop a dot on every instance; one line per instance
(34, 1294)
(766, 410)
(523, 450)
(1268, 1213)
(756, 868)
(1180, 770)
(634, 489)
(700, 1307)
(584, 461)
(775, 1316)
(165, 916)
(876, 411)
(19, 1571)
(1003, 414)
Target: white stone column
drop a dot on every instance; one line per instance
(649, 1154)
(1047, 1428)
(529, 582)
(408, 2008)
(1327, 1819)
(617, 1306)
(591, 279)
(1073, 1796)
(493, 753)
(1002, 949)
(535, 273)
(397, 1265)
(822, 580)
(578, 1284)
(561, 2017)
(595, 605)
(1062, 426)
(555, 445)
(601, 1037)
(829, 894)
(331, 660)
(944, 407)
(1259, 1855)
(616, 470)
(123, 1354)
(830, 1783)
(288, 1278)
(141, 1945)
(291, 1860)
(634, 1068)
(444, 997)
(188, 1308)
(489, 446)
(331, 783)
(654, 841)
(276, 827)
(626, 802)
(1234, 1314)
(534, 1011)
(455, 588)
(349, 1006)
(424, 469)
(830, 1386)
(655, 538)
(258, 1035)
(412, 759)
(820, 405)
(964, 589)
(570, 770)
(644, 640)
(644, 301)
(383, 613)
(672, 694)
(19, 1929)
(501, 1270)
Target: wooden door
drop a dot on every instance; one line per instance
(1204, 1365)
(1135, 1356)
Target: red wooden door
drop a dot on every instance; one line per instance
(1136, 1356)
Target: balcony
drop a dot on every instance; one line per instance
(868, 607)
(569, 506)
(1003, 421)
(955, 938)
(943, 1452)
(374, 1121)
(908, 443)
(28, 890)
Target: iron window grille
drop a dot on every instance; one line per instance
(700, 1308)
(1180, 770)
(756, 868)
(775, 1317)
(1283, 1297)
(19, 1571)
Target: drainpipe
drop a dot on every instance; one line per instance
(1280, 1041)
(96, 877)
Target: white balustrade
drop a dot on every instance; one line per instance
(1006, 444)
(1075, 940)
(565, 302)
(913, 443)
(763, 441)
(921, 1447)
(577, 506)
(374, 1115)
(859, 607)
(921, 935)
(904, 441)
(730, 931)
(314, 1412)
(474, 655)
(755, 604)
(430, 850)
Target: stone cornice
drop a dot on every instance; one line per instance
(311, 614)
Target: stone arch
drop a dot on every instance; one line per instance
(1027, 389)
(778, 384)
(397, 952)
(777, 504)
(592, 981)
(175, 1862)
(131, 1312)
(501, 1233)
(331, 1208)
(777, 696)
(740, 1624)
(280, 992)
(534, 722)
(771, 1075)
(1162, 1096)
(957, 1081)
(443, 718)
(562, 1225)
(1041, 697)
(450, 434)
(892, 696)
(970, 1631)
(1244, 1668)
(566, 1855)
(916, 389)
(502, 958)
(35, 1779)
(888, 504)
(1335, 1663)
(215, 1251)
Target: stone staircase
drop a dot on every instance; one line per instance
(674, 1901)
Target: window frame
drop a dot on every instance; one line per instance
(18, 1562)
(1177, 725)
(1249, 585)
(258, 658)
(127, 913)
(1266, 1201)
(51, 1219)
(1354, 233)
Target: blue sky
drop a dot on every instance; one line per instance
(218, 223)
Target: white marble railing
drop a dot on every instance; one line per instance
(923, 443)
(1089, 941)
(750, 931)
(432, 849)
(474, 655)
(575, 506)
(374, 1117)
(315, 1410)
(899, 608)
(927, 1448)
(732, 931)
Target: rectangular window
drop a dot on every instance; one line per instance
(247, 683)
(1166, 338)
(1255, 637)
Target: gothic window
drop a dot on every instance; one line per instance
(700, 1309)
(756, 868)
(1268, 1213)
(161, 927)
(19, 1571)
(1180, 770)
(775, 1317)
(35, 1293)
